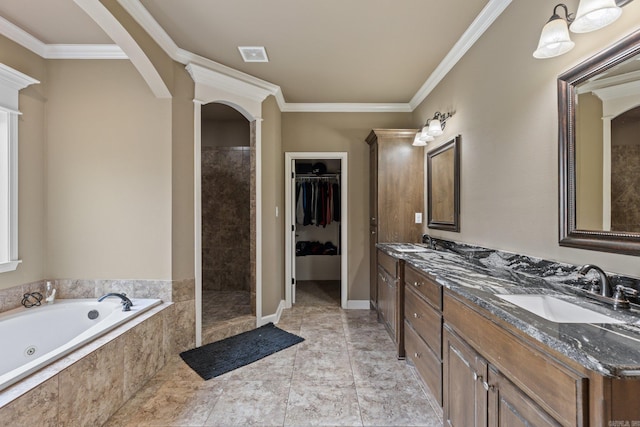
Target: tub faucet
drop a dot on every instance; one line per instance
(605, 285)
(126, 302)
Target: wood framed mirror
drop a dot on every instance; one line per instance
(443, 186)
(599, 150)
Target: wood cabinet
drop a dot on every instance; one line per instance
(423, 327)
(396, 193)
(389, 277)
(478, 395)
(509, 379)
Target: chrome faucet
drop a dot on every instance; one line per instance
(126, 302)
(429, 241)
(605, 285)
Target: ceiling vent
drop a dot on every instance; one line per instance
(253, 53)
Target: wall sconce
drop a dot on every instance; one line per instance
(434, 127)
(592, 15)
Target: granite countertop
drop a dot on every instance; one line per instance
(478, 274)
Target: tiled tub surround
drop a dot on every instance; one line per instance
(36, 337)
(477, 274)
(88, 385)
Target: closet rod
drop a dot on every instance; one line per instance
(326, 175)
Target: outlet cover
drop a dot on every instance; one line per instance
(418, 217)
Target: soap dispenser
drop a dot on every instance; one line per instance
(50, 293)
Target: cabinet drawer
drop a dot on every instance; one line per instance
(429, 366)
(387, 262)
(426, 321)
(425, 286)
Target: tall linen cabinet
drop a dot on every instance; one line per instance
(396, 194)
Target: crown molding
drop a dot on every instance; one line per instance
(483, 21)
(84, 51)
(346, 107)
(59, 51)
(206, 76)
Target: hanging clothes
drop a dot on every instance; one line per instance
(316, 201)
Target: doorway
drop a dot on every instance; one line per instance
(316, 221)
(228, 283)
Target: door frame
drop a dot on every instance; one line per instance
(289, 257)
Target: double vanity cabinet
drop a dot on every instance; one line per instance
(489, 364)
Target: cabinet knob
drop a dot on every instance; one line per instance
(417, 284)
(487, 386)
(477, 377)
(373, 232)
(416, 315)
(373, 218)
(416, 355)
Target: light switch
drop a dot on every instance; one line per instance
(418, 217)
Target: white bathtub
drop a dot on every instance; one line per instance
(32, 338)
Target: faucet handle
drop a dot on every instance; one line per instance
(626, 290)
(620, 298)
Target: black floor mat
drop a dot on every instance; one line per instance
(220, 357)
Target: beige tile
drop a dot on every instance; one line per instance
(379, 367)
(36, 407)
(183, 290)
(314, 365)
(345, 373)
(143, 354)
(396, 404)
(92, 388)
(245, 403)
(169, 403)
(181, 327)
(321, 404)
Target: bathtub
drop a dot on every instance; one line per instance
(34, 337)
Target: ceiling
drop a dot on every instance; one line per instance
(329, 51)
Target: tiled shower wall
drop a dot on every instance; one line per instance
(226, 216)
(625, 188)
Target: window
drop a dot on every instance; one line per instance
(11, 82)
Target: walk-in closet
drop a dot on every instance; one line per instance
(317, 222)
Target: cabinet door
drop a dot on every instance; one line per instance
(381, 292)
(465, 399)
(387, 300)
(373, 223)
(510, 407)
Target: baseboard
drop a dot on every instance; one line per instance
(358, 304)
(273, 318)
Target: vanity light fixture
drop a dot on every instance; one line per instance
(434, 127)
(592, 15)
(419, 141)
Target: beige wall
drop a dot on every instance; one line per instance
(182, 170)
(31, 167)
(272, 196)
(506, 111)
(108, 173)
(589, 163)
(345, 132)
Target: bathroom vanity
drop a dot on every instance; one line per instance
(492, 362)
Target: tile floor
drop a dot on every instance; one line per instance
(344, 374)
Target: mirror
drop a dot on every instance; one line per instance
(599, 142)
(443, 186)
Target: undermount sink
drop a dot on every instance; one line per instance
(557, 310)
